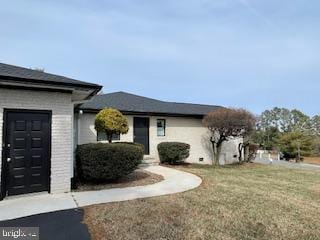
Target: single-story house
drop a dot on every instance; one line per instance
(43, 117)
(153, 121)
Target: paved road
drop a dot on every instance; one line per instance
(289, 164)
(62, 225)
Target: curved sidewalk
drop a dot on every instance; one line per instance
(175, 181)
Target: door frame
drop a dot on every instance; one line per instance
(148, 128)
(4, 164)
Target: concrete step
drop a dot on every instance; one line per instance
(149, 161)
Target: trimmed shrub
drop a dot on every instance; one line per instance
(107, 161)
(173, 152)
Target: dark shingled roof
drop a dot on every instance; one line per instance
(10, 72)
(130, 103)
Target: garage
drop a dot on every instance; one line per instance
(36, 130)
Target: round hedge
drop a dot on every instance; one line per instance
(107, 161)
(173, 152)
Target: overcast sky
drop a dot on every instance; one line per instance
(254, 54)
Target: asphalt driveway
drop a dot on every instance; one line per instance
(61, 225)
(282, 163)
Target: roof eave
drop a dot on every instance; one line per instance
(87, 91)
(88, 110)
(27, 81)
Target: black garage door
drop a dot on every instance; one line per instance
(27, 151)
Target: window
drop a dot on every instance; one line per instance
(161, 127)
(102, 136)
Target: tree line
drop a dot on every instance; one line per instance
(291, 132)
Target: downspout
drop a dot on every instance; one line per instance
(77, 139)
(75, 135)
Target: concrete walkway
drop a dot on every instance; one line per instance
(174, 182)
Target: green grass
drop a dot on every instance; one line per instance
(235, 202)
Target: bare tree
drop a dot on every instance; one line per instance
(226, 123)
(248, 149)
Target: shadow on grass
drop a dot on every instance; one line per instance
(207, 166)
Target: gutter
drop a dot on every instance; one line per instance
(10, 82)
(95, 92)
(200, 116)
(51, 82)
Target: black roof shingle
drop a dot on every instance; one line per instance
(16, 73)
(130, 103)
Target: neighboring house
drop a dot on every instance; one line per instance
(36, 129)
(151, 122)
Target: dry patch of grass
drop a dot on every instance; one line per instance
(312, 160)
(137, 178)
(234, 202)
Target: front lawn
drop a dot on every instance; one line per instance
(312, 160)
(235, 202)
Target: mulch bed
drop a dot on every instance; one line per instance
(137, 178)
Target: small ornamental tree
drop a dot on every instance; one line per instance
(111, 121)
(225, 123)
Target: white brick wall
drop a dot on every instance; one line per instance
(188, 130)
(61, 146)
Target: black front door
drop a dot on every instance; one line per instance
(27, 151)
(141, 132)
